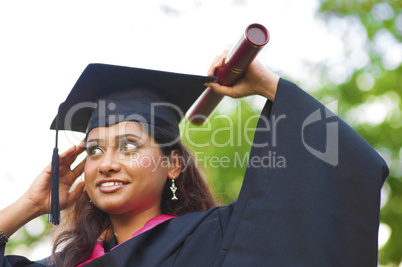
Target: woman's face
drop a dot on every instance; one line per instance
(125, 171)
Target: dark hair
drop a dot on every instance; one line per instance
(83, 223)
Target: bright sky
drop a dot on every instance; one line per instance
(45, 45)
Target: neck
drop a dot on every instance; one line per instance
(125, 225)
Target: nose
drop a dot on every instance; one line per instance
(110, 163)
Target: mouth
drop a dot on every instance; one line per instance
(111, 186)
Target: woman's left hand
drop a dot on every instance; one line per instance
(257, 80)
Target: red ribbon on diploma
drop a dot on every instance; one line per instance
(250, 44)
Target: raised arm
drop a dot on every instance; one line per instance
(311, 191)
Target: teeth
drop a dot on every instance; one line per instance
(111, 183)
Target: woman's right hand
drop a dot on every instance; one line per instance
(37, 195)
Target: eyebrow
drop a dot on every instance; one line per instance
(118, 137)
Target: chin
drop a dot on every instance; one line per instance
(112, 208)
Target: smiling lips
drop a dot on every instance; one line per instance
(109, 187)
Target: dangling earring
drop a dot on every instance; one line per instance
(173, 188)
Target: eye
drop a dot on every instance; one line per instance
(128, 146)
(94, 150)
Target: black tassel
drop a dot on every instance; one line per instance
(55, 202)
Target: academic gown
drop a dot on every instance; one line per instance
(317, 206)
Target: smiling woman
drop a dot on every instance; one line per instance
(125, 181)
(109, 170)
(144, 202)
(129, 158)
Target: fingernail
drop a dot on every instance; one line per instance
(206, 84)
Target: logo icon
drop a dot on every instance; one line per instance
(330, 155)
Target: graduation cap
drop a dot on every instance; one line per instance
(108, 94)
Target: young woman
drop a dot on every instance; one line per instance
(144, 203)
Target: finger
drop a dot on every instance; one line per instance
(73, 149)
(222, 59)
(65, 165)
(224, 90)
(68, 157)
(82, 143)
(211, 70)
(68, 152)
(73, 195)
(48, 169)
(218, 62)
(79, 169)
(220, 89)
(68, 176)
(73, 156)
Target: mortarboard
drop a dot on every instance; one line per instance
(156, 97)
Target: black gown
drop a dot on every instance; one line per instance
(318, 205)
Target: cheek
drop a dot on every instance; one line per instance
(154, 164)
(90, 170)
(150, 170)
(89, 176)
(146, 162)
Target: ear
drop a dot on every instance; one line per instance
(175, 163)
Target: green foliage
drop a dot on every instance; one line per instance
(223, 141)
(28, 236)
(382, 95)
(373, 90)
(222, 146)
(364, 9)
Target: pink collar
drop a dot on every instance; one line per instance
(99, 250)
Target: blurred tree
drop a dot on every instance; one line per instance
(223, 154)
(28, 236)
(371, 99)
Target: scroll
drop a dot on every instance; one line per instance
(239, 58)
